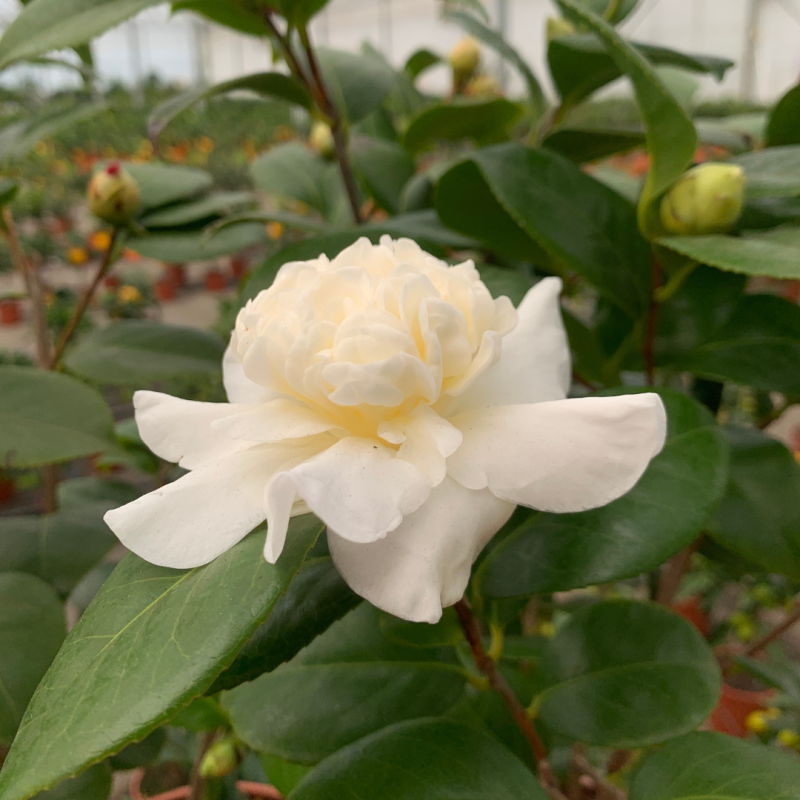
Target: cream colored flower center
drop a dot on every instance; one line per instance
(373, 334)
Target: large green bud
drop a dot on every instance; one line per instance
(706, 199)
(220, 759)
(114, 195)
(465, 57)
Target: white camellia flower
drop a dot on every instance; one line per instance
(392, 396)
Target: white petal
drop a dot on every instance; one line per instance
(535, 363)
(201, 515)
(423, 565)
(425, 439)
(239, 388)
(562, 456)
(180, 430)
(357, 487)
(273, 422)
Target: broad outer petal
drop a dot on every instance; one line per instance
(239, 388)
(535, 363)
(273, 422)
(562, 456)
(180, 430)
(424, 564)
(358, 487)
(201, 515)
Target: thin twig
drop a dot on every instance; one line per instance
(197, 781)
(329, 108)
(604, 789)
(33, 286)
(768, 638)
(498, 682)
(77, 315)
(673, 573)
(648, 347)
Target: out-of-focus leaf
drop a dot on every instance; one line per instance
(421, 60)
(160, 184)
(194, 211)
(483, 121)
(94, 784)
(182, 246)
(46, 417)
(31, 631)
(784, 122)
(138, 352)
(385, 167)
(774, 172)
(231, 15)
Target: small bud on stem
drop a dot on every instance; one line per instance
(114, 195)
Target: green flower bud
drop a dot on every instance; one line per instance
(706, 199)
(321, 139)
(220, 759)
(556, 26)
(465, 56)
(114, 195)
(482, 86)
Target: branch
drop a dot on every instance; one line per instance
(768, 638)
(672, 576)
(77, 315)
(328, 107)
(498, 682)
(648, 347)
(33, 285)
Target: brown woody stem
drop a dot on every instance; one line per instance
(80, 310)
(498, 682)
(768, 638)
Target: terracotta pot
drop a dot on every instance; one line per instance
(215, 281)
(111, 282)
(165, 290)
(238, 267)
(691, 611)
(734, 707)
(177, 274)
(7, 489)
(10, 311)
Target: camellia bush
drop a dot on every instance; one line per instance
(486, 508)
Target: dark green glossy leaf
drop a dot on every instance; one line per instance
(580, 64)
(627, 674)
(8, 190)
(613, 10)
(317, 597)
(671, 137)
(197, 245)
(493, 39)
(46, 25)
(759, 518)
(141, 753)
(267, 84)
(138, 352)
(784, 122)
(31, 631)
(106, 688)
(358, 83)
(202, 714)
(160, 184)
(195, 211)
(282, 774)
(422, 760)
(385, 167)
(774, 172)
(774, 253)
(447, 631)
(77, 492)
(46, 417)
(425, 228)
(482, 121)
(582, 144)
(94, 784)
(299, 12)
(347, 683)
(529, 202)
(759, 345)
(59, 548)
(505, 281)
(706, 765)
(663, 513)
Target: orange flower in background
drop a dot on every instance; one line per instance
(205, 144)
(274, 230)
(249, 149)
(77, 255)
(283, 133)
(108, 152)
(99, 241)
(177, 152)
(59, 167)
(131, 255)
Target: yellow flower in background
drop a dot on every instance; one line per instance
(41, 149)
(274, 230)
(129, 294)
(77, 255)
(205, 144)
(789, 738)
(757, 722)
